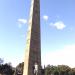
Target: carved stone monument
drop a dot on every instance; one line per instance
(32, 62)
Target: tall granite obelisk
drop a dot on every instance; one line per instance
(33, 44)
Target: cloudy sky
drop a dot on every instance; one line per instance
(57, 31)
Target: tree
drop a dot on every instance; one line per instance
(63, 69)
(59, 70)
(6, 69)
(48, 70)
(55, 72)
(19, 69)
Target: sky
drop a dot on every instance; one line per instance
(57, 31)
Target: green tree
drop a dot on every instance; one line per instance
(6, 69)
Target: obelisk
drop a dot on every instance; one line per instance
(33, 42)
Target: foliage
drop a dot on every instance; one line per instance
(59, 70)
(6, 69)
(19, 69)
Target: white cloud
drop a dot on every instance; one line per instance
(64, 56)
(45, 17)
(58, 25)
(21, 22)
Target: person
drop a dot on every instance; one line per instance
(36, 69)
